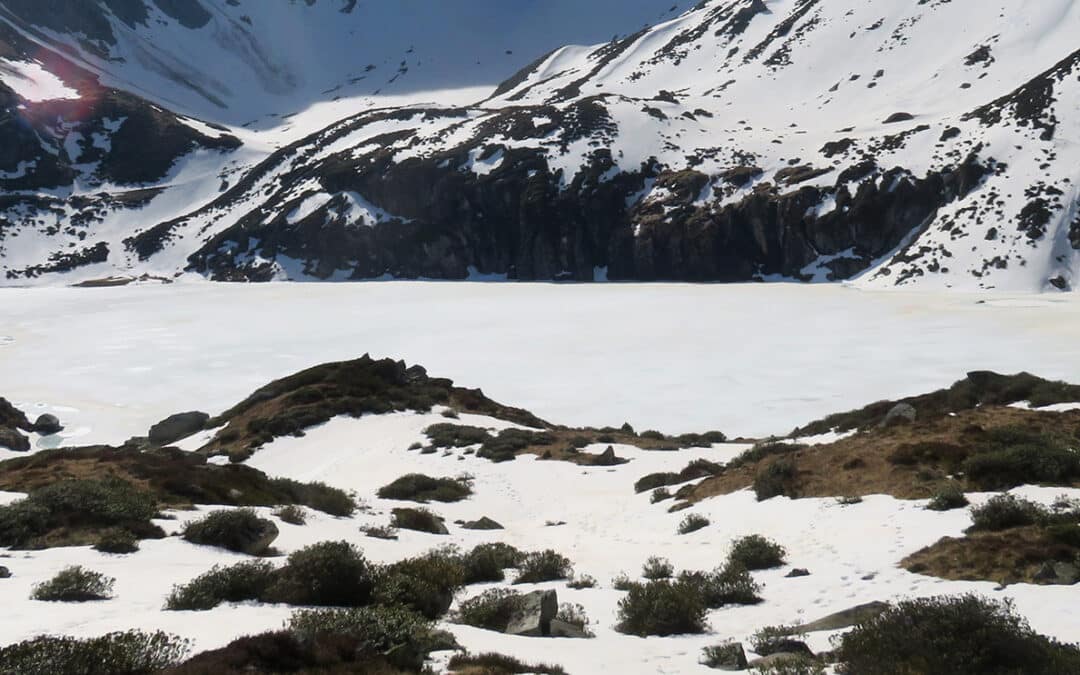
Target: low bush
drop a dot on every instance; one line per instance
(123, 653)
(582, 582)
(510, 442)
(725, 656)
(705, 440)
(755, 552)
(448, 435)
(762, 451)
(318, 496)
(954, 634)
(247, 580)
(417, 487)
(491, 610)
(727, 585)
(622, 582)
(498, 664)
(791, 664)
(546, 565)
(949, 455)
(487, 562)
(659, 495)
(1005, 511)
(75, 584)
(699, 468)
(380, 532)
(776, 639)
(657, 568)
(117, 540)
(381, 629)
(1030, 463)
(574, 614)
(692, 523)
(661, 608)
(776, 479)
(291, 514)
(329, 573)
(425, 584)
(419, 520)
(947, 498)
(239, 530)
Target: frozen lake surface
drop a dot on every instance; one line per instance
(745, 359)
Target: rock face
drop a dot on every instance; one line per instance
(484, 523)
(534, 615)
(901, 413)
(176, 427)
(13, 440)
(47, 425)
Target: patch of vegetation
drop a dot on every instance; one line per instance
(776, 479)
(329, 573)
(622, 582)
(490, 663)
(1005, 511)
(319, 496)
(123, 653)
(659, 495)
(947, 498)
(692, 523)
(955, 634)
(724, 655)
(510, 442)
(291, 514)
(582, 582)
(380, 629)
(117, 540)
(425, 584)
(849, 500)
(574, 614)
(727, 585)
(657, 568)
(448, 435)
(419, 520)
(248, 580)
(776, 639)
(762, 451)
(75, 584)
(238, 530)
(661, 608)
(755, 552)
(380, 532)
(417, 487)
(75, 512)
(699, 468)
(492, 610)
(487, 562)
(791, 664)
(547, 565)
(1015, 456)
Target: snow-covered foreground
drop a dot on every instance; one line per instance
(748, 360)
(851, 551)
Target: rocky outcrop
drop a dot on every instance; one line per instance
(533, 614)
(48, 424)
(11, 439)
(176, 427)
(484, 523)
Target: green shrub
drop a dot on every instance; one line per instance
(755, 552)
(622, 582)
(426, 583)
(698, 468)
(380, 532)
(417, 487)
(486, 562)
(954, 634)
(238, 530)
(776, 479)
(659, 495)
(657, 568)
(331, 573)
(491, 610)
(318, 496)
(656, 480)
(499, 664)
(776, 639)
(117, 540)
(574, 614)
(546, 565)
(1005, 511)
(247, 580)
(692, 523)
(727, 585)
(75, 584)
(510, 442)
(291, 514)
(947, 498)
(582, 582)
(128, 653)
(724, 655)
(1009, 467)
(763, 450)
(661, 608)
(448, 435)
(381, 629)
(791, 664)
(419, 520)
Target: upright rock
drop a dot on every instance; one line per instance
(533, 616)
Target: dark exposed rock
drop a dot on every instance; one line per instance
(845, 618)
(898, 117)
(10, 416)
(484, 523)
(5, 573)
(178, 426)
(1060, 573)
(608, 458)
(533, 615)
(798, 572)
(48, 424)
(901, 413)
(784, 645)
(732, 658)
(13, 440)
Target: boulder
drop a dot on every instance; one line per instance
(776, 661)
(608, 458)
(798, 572)
(730, 656)
(784, 645)
(484, 523)
(533, 616)
(13, 440)
(5, 573)
(10, 416)
(259, 540)
(563, 629)
(176, 427)
(901, 413)
(1060, 573)
(845, 618)
(47, 424)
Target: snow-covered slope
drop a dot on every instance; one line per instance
(897, 143)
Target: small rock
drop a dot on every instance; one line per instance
(784, 645)
(798, 572)
(176, 427)
(608, 458)
(560, 628)
(533, 617)
(484, 523)
(901, 413)
(13, 440)
(5, 573)
(47, 425)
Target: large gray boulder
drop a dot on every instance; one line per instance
(845, 618)
(534, 614)
(48, 424)
(13, 440)
(1059, 573)
(5, 573)
(176, 427)
(901, 413)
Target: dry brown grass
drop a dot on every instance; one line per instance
(860, 464)
(1009, 556)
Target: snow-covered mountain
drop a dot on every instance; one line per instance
(897, 143)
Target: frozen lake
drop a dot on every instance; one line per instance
(745, 359)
